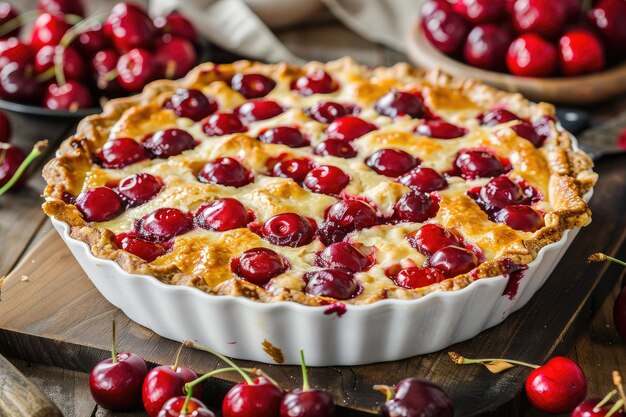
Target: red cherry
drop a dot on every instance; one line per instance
(474, 164)
(431, 237)
(399, 103)
(148, 251)
(430, 7)
(580, 52)
(225, 171)
(326, 179)
(344, 256)
(14, 50)
(104, 69)
(284, 135)
(129, 26)
(349, 128)
(258, 266)
(92, 41)
(333, 283)
(296, 169)
(5, 128)
(175, 56)
(195, 408)
(252, 85)
(315, 82)
(288, 229)
(351, 215)
(529, 55)
(168, 142)
(573, 11)
(416, 277)
(619, 313)
(121, 152)
(48, 29)
(116, 385)
(307, 403)
(526, 130)
(556, 387)
(327, 111)
(73, 66)
(163, 224)
(415, 207)
(496, 117)
(520, 217)
(261, 399)
(176, 24)
(440, 130)
(63, 7)
(391, 162)
(165, 382)
(13, 158)
(16, 84)
(417, 397)
(480, 11)
(220, 124)
(99, 204)
(335, 147)
(501, 192)
(453, 261)
(7, 13)
(541, 17)
(424, 180)
(222, 215)
(135, 69)
(139, 188)
(70, 96)
(587, 408)
(191, 103)
(445, 30)
(607, 18)
(260, 109)
(486, 47)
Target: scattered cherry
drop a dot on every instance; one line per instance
(121, 152)
(415, 207)
(342, 255)
(13, 158)
(587, 408)
(416, 397)
(400, 103)
(453, 260)
(326, 179)
(220, 124)
(333, 283)
(288, 229)
(296, 169)
(222, 215)
(556, 387)
(191, 103)
(258, 265)
(139, 188)
(327, 111)
(315, 82)
(260, 109)
(225, 171)
(530, 55)
(130, 242)
(284, 135)
(474, 164)
(174, 408)
(423, 179)
(335, 147)
(431, 237)
(252, 85)
(258, 399)
(99, 204)
(349, 128)
(391, 162)
(416, 277)
(163, 224)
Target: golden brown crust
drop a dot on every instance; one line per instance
(569, 172)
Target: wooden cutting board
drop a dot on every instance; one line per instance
(50, 313)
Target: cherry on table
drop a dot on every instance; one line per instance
(220, 124)
(317, 81)
(288, 229)
(175, 24)
(423, 179)
(99, 204)
(415, 207)
(258, 265)
(587, 408)
(135, 69)
(129, 26)
(130, 242)
(580, 52)
(335, 147)
(222, 215)
(391, 162)
(191, 103)
(137, 189)
(400, 103)
(486, 47)
(259, 109)
(334, 283)
(169, 142)
(252, 85)
(453, 260)
(8, 13)
(284, 135)
(5, 128)
(326, 179)
(415, 397)
(296, 169)
(13, 158)
(327, 111)
(342, 255)
(48, 29)
(349, 128)
(62, 7)
(174, 408)
(530, 55)
(261, 398)
(121, 152)
(225, 171)
(163, 224)
(175, 56)
(556, 387)
(432, 237)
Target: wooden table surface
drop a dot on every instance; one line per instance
(22, 224)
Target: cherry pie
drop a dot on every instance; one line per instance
(319, 183)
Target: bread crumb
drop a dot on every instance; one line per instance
(24, 278)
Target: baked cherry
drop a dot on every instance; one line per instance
(176, 24)
(580, 52)
(220, 124)
(326, 179)
(431, 237)
(445, 30)
(62, 7)
(260, 109)
(520, 217)
(416, 397)
(400, 103)
(607, 18)
(169, 142)
(174, 408)
(480, 11)
(163, 224)
(99, 204)
(542, 17)
(288, 229)
(423, 179)
(335, 147)
(453, 260)
(344, 256)
(474, 164)
(174, 56)
(252, 85)
(129, 26)
(10, 162)
(121, 152)
(351, 215)
(258, 266)
(222, 215)
(501, 192)
(556, 387)
(327, 111)
(5, 128)
(349, 128)
(415, 207)
(526, 130)
(225, 171)
(416, 277)
(16, 84)
(139, 188)
(258, 399)
(71, 96)
(73, 66)
(530, 55)
(284, 135)
(135, 69)
(48, 29)
(8, 13)
(315, 82)
(130, 242)
(332, 283)
(13, 50)
(191, 103)
(440, 130)
(296, 169)
(486, 47)
(391, 162)
(496, 117)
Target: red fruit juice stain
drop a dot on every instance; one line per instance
(515, 273)
(336, 308)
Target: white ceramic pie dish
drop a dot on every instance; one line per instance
(382, 331)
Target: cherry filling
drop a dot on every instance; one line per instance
(520, 217)
(440, 130)
(284, 135)
(99, 204)
(431, 237)
(121, 152)
(222, 215)
(168, 142)
(139, 188)
(416, 277)
(335, 147)
(474, 164)
(225, 171)
(333, 283)
(163, 224)
(415, 207)
(501, 192)
(496, 117)
(453, 260)
(344, 256)
(315, 82)
(391, 162)
(526, 130)
(288, 229)
(220, 124)
(349, 128)
(399, 103)
(326, 179)
(191, 103)
(260, 109)
(252, 85)
(327, 112)
(424, 180)
(344, 217)
(148, 251)
(296, 169)
(258, 265)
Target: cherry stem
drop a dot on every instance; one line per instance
(601, 257)
(189, 385)
(605, 400)
(615, 408)
(617, 380)
(460, 360)
(113, 350)
(386, 390)
(106, 78)
(222, 357)
(34, 153)
(259, 372)
(18, 21)
(46, 75)
(305, 374)
(176, 362)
